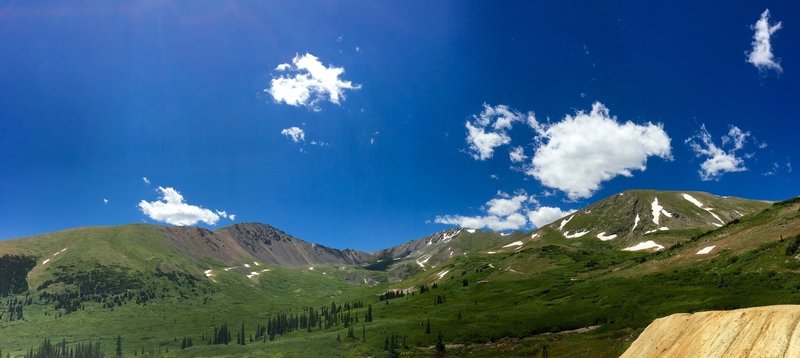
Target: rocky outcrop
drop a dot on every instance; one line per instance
(770, 331)
(275, 247)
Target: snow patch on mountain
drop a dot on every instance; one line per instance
(635, 222)
(442, 274)
(515, 243)
(446, 238)
(645, 245)
(575, 235)
(564, 222)
(693, 200)
(603, 237)
(656, 210)
(706, 250)
(663, 228)
(700, 205)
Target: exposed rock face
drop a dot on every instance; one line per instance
(199, 243)
(273, 246)
(770, 331)
(419, 245)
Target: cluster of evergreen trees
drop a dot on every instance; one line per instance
(222, 335)
(391, 294)
(425, 288)
(186, 342)
(282, 323)
(14, 309)
(62, 350)
(15, 268)
(392, 343)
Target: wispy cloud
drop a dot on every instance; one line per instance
(146, 181)
(489, 130)
(719, 159)
(517, 155)
(294, 134)
(308, 82)
(761, 54)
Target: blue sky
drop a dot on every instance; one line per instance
(94, 96)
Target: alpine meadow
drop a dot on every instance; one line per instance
(333, 178)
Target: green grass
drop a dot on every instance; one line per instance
(515, 303)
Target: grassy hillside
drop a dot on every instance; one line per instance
(576, 297)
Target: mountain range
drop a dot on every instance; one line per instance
(584, 285)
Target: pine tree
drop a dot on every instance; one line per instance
(338, 337)
(368, 316)
(364, 333)
(119, 347)
(440, 344)
(428, 327)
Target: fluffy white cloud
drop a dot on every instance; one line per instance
(482, 143)
(507, 212)
(295, 134)
(308, 82)
(547, 214)
(719, 159)
(105, 201)
(146, 181)
(505, 206)
(172, 209)
(517, 155)
(512, 222)
(489, 129)
(504, 213)
(580, 152)
(761, 54)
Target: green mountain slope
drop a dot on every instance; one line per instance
(513, 295)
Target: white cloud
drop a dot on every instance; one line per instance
(224, 214)
(517, 154)
(172, 209)
(232, 217)
(489, 129)
(514, 221)
(505, 206)
(761, 54)
(146, 181)
(308, 82)
(482, 143)
(719, 160)
(580, 152)
(295, 134)
(506, 212)
(105, 201)
(547, 214)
